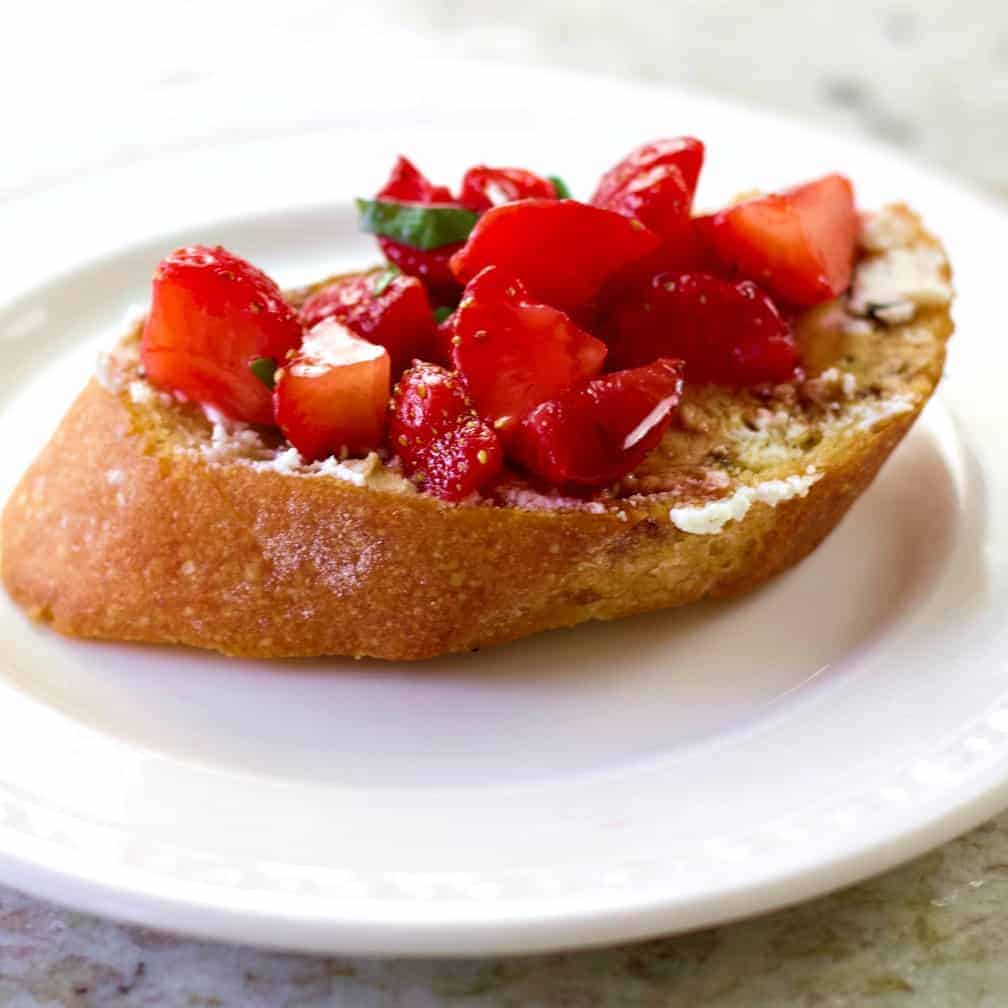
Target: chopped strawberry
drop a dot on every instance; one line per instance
(443, 336)
(484, 187)
(601, 430)
(437, 434)
(798, 244)
(655, 183)
(212, 314)
(407, 184)
(562, 250)
(513, 353)
(392, 311)
(727, 333)
(685, 154)
(659, 198)
(331, 397)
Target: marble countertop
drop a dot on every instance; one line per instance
(926, 76)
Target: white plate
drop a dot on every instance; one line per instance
(602, 783)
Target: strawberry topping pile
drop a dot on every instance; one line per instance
(511, 325)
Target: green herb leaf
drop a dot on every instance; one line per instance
(422, 227)
(264, 368)
(561, 187)
(384, 278)
(440, 314)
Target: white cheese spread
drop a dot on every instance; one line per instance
(709, 518)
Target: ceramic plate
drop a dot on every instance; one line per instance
(584, 786)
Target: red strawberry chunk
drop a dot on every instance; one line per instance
(659, 198)
(443, 337)
(685, 154)
(407, 184)
(731, 334)
(798, 244)
(601, 430)
(513, 353)
(438, 435)
(398, 317)
(331, 397)
(562, 250)
(211, 315)
(430, 266)
(484, 187)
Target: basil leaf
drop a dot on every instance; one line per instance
(422, 227)
(440, 314)
(561, 187)
(264, 368)
(384, 278)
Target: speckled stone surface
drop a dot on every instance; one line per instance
(929, 77)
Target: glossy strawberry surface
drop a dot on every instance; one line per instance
(212, 314)
(438, 436)
(484, 187)
(685, 154)
(798, 245)
(729, 333)
(392, 311)
(562, 250)
(601, 430)
(514, 353)
(331, 397)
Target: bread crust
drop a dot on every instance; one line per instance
(107, 536)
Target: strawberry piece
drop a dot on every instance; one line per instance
(331, 397)
(655, 183)
(685, 154)
(601, 430)
(211, 315)
(397, 317)
(562, 250)
(443, 336)
(659, 198)
(731, 334)
(437, 434)
(798, 244)
(513, 353)
(484, 187)
(407, 184)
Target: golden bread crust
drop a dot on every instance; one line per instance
(112, 535)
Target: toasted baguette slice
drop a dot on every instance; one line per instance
(143, 520)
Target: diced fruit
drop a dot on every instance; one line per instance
(562, 250)
(601, 430)
(686, 154)
(438, 436)
(443, 336)
(484, 187)
(407, 184)
(390, 310)
(513, 353)
(798, 244)
(655, 183)
(659, 198)
(731, 334)
(431, 267)
(212, 314)
(331, 397)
